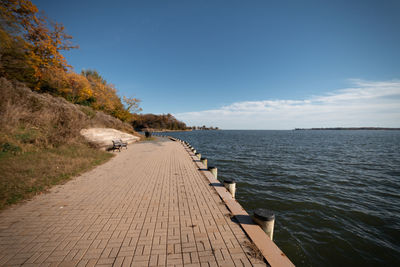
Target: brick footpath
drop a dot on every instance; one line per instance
(148, 206)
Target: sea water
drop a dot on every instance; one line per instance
(335, 194)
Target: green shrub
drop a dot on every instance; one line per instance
(88, 111)
(27, 136)
(10, 148)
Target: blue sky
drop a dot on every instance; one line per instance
(196, 59)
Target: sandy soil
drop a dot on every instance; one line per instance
(102, 137)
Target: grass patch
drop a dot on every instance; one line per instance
(27, 136)
(88, 111)
(151, 138)
(9, 148)
(24, 175)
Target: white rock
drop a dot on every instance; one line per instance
(102, 137)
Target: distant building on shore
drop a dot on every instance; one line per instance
(203, 128)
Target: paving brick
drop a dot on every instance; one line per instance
(106, 261)
(148, 206)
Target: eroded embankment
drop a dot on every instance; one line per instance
(40, 141)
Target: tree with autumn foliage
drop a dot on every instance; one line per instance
(15, 63)
(104, 93)
(79, 88)
(132, 104)
(30, 52)
(30, 43)
(158, 122)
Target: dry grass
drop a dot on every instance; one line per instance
(27, 174)
(40, 141)
(55, 120)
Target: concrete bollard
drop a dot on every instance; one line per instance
(198, 155)
(214, 171)
(266, 219)
(204, 161)
(231, 186)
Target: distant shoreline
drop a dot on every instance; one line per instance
(348, 128)
(187, 130)
(166, 131)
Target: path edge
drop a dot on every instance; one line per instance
(270, 251)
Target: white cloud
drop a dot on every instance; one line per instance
(366, 103)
